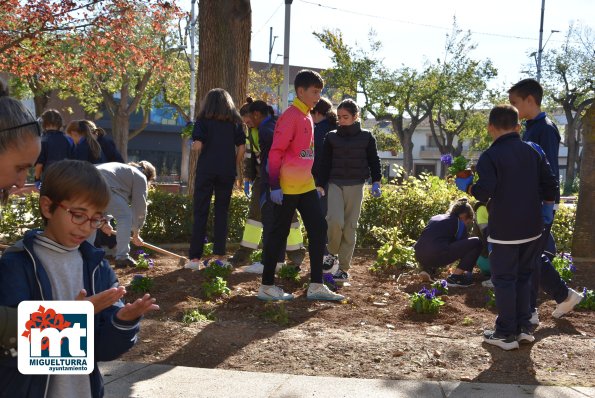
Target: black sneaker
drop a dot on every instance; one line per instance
(329, 264)
(125, 262)
(525, 335)
(506, 342)
(341, 276)
(459, 281)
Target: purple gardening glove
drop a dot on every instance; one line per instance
(376, 191)
(277, 196)
(247, 188)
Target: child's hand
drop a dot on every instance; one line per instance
(132, 311)
(104, 299)
(108, 229)
(321, 192)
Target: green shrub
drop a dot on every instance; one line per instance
(20, 214)
(563, 228)
(256, 256)
(396, 254)
(217, 268)
(407, 206)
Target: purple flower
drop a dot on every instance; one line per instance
(219, 263)
(151, 263)
(446, 159)
(572, 268)
(140, 252)
(443, 283)
(206, 240)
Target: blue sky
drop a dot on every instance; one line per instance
(506, 31)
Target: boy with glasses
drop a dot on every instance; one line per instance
(57, 263)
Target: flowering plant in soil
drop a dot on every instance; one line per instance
(289, 272)
(143, 261)
(216, 268)
(491, 299)
(141, 283)
(588, 302)
(425, 301)
(563, 263)
(256, 256)
(215, 287)
(330, 282)
(440, 286)
(456, 167)
(207, 249)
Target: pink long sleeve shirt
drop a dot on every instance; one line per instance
(292, 153)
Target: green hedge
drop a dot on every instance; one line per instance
(406, 208)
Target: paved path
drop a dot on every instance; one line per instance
(131, 379)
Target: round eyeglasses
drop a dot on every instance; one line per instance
(79, 218)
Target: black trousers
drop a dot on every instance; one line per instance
(204, 187)
(511, 267)
(466, 250)
(268, 220)
(309, 207)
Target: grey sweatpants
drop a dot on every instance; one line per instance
(344, 206)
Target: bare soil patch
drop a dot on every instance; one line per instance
(374, 335)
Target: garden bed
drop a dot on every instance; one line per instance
(373, 335)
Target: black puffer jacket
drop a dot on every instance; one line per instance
(349, 154)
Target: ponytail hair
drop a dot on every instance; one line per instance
(146, 168)
(245, 109)
(461, 206)
(87, 129)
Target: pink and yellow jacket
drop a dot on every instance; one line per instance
(292, 153)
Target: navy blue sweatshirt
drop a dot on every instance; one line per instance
(441, 231)
(266, 130)
(82, 151)
(515, 176)
(219, 141)
(55, 146)
(108, 147)
(544, 133)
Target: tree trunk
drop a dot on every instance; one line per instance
(224, 54)
(120, 131)
(583, 240)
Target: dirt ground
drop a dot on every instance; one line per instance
(373, 335)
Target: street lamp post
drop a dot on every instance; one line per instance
(286, 55)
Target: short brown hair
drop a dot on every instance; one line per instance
(528, 87)
(461, 206)
(75, 179)
(51, 118)
(504, 117)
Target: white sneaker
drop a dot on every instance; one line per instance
(272, 293)
(534, 318)
(258, 267)
(487, 283)
(193, 265)
(567, 305)
(255, 268)
(319, 291)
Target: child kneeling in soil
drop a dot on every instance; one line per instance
(72, 200)
(445, 240)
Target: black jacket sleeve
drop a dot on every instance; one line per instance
(485, 187)
(373, 159)
(324, 172)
